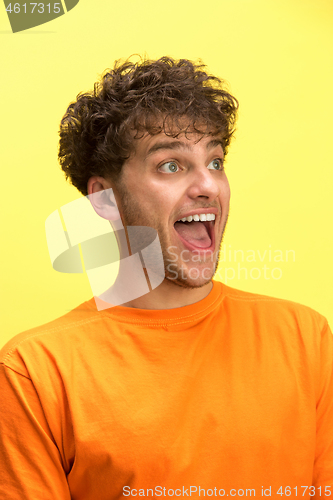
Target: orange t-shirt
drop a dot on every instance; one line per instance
(230, 396)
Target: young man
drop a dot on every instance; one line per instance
(193, 389)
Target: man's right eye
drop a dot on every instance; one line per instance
(169, 167)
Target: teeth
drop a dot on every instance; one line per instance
(198, 217)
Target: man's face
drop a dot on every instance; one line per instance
(168, 179)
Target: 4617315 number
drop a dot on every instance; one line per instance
(34, 8)
(305, 490)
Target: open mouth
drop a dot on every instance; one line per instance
(196, 235)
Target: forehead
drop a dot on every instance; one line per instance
(149, 145)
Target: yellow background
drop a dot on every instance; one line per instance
(276, 57)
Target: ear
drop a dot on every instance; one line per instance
(102, 198)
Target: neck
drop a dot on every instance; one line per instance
(132, 289)
(169, 296)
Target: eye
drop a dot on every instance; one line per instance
(216, 164)
(169, 167)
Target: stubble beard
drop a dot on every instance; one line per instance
(132, 216)
(182, 277)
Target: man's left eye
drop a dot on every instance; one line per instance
(216, 164)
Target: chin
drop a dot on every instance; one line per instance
(182, 277)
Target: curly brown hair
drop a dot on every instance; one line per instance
(98, 130)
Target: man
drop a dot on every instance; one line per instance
(193, 389)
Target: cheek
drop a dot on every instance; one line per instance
(225, 192)
(162, 198)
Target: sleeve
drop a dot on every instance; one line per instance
(30, 462)
(323, 464)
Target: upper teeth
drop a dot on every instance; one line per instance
(197, 217)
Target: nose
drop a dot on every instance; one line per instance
(204, 184)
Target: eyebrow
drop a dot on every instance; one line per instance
(164, 145)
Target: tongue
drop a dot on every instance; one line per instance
(194, 233)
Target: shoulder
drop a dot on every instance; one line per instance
(272, 310)
(58, 334)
